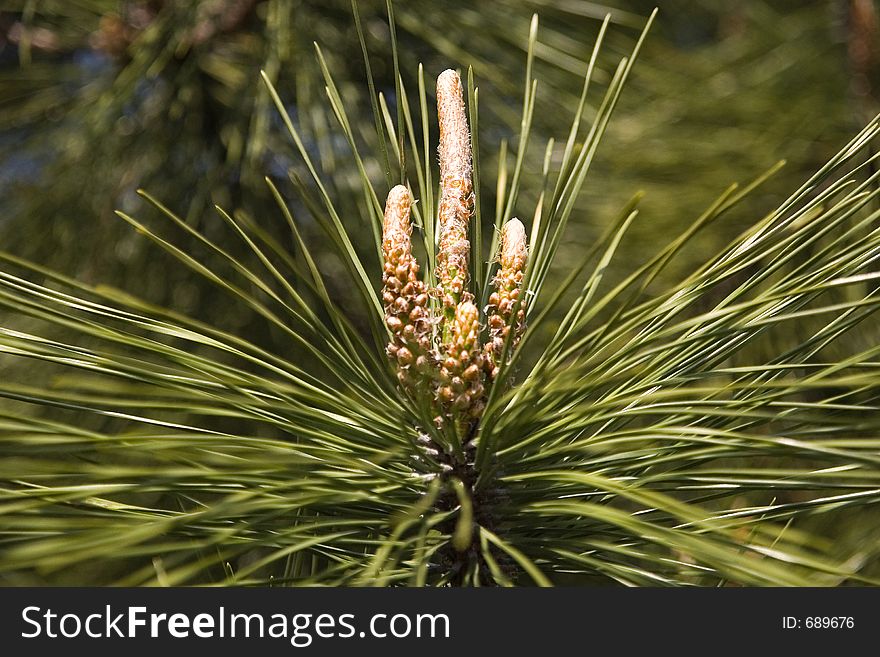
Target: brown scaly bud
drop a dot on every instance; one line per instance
(456, 194)
(403, 294)
(507, 291)
(463, 365)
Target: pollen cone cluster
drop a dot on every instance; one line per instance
(404, 296)
(505, 301)
(436, 334)
(461, 372)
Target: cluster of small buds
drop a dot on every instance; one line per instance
(461, 370)
(404, 295)
(438, 351)
(436, 332)
(456, 195)
(503, 301)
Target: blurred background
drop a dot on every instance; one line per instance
(100, 98)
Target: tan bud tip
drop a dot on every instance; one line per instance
(449, 81)
(466, 313)
(454, 147)
(514, 246)
(399, 195)
(397, 211)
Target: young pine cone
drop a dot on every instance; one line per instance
(461, 371)
(456, 193)
(508, 289)
(404, 296)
